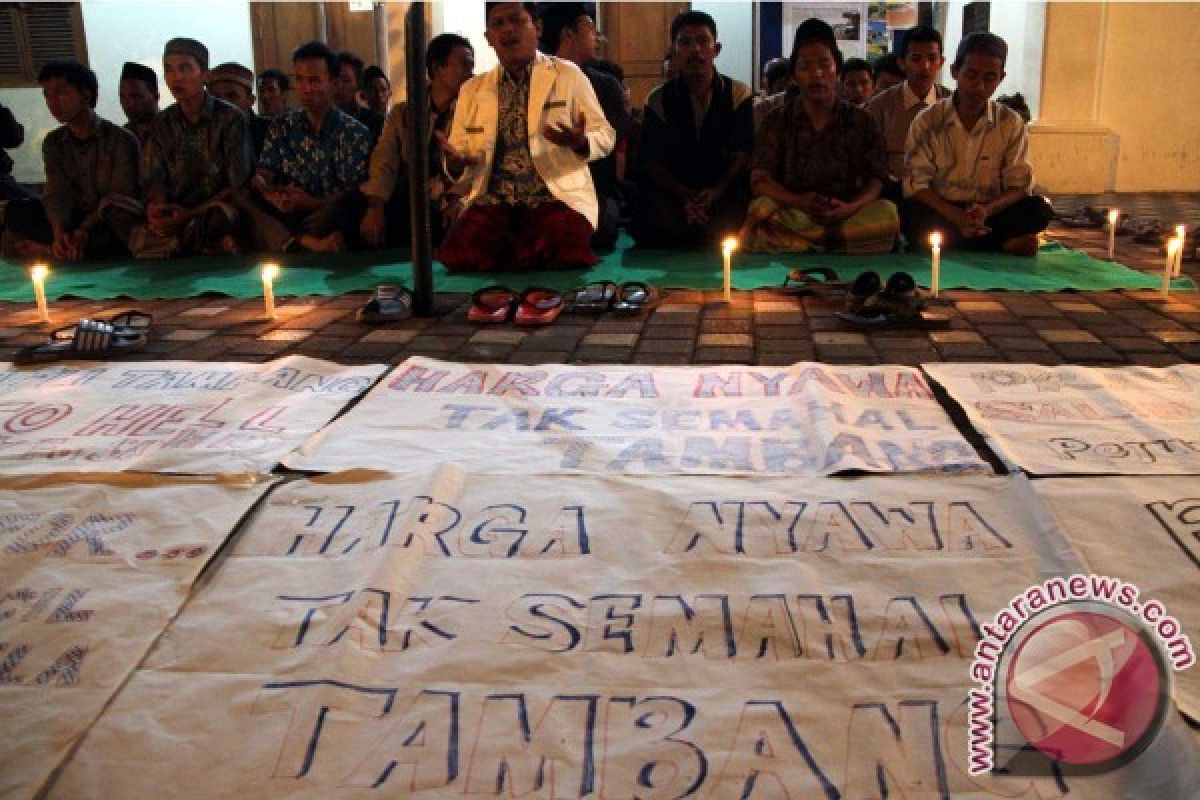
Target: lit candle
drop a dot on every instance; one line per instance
(935, 248)
(1112, 234)
(1181, 234)
(269, 273)
(38, 275)
(727, 247)
(1174, 245)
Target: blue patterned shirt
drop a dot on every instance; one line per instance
(332, 161)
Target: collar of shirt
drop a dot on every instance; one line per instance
(520, 78)
(910, 99)
(331, 122)
(988, 118)
(837, 115)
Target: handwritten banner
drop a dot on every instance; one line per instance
(588, 637)
(1145, 531)
(168, 416)
(92, 568)
(809, 419)
(1080, 420)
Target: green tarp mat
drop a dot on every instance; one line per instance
(1055, 268)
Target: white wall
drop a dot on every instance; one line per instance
(466, 18)
(119, 31)
(735, 30)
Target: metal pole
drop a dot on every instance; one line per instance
(322, 23)
(418, 174)
(381, 40)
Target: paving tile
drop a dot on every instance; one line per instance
(852, 339)
(725, 340)
(1155, 359)
(775, 318)
(723, 355)
(1087, 351)
(436, 344)
(1018, 343)
(669, 332)
(1174, 337)
(763, 306)
(1069, 336)
(974, 350)
(847, 354)
(388, 336)
(497, 336)
(204, 311)
(532, 357)
(673, 309)
(783, 345)
(674, 346)
(780, 359)
(619, 325)
(721, 325)
(187, 334)
(661, 359)
(596, 354)
(1078, 307)
(783, 332)
(324, 344)
(976, 306)
(906, 342)
(961, 337)
(609, 340)
(374, 351)
(286, 335)
(258, 347)
(1135, 344)
(484, 353)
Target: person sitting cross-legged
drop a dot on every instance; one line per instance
(524, 133)
(234, 84)
(91, 203)
(138, 92)
(312, 163)
(967, 173)
(818, 164)
(198, 155)
(855, 83)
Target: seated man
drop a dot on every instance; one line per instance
(886, 72)
(526, 129)
(775, 80)
(894, 109)
(139, 99)
(569, 32)
(198, 156)
(90, 205)
(967, 172)
(377, 93)
(696, 142)
(348, 80)
(234, 84)
(12, 133)
(312, 162)
(449, 63)
(819, 164)
(855, 84)
(273, 86)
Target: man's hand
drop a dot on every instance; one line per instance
(573, 137)
(165, 219)
(972, 221)
(698, 207)
(61, 245)
(293, 198)
(836, 210)
(455, 160)
(374, 224)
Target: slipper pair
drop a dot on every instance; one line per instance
(537, 305)
(819, 281)
(870, 303)
(601, 296)
(387, 304)
(91, 339)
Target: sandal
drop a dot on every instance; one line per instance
(633, 297)
(538, 306)
(597, 296)
(492, 304)
(387, 304)
(865, 286)
(814, 280)
(898, 304)
(86, 339)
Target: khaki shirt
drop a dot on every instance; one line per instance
(893, 110)
(962, 166)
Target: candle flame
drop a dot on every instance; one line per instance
(270, 272)
(1181, 231)
(1113, 214)
(935, 240)
(729, 245)
(39, 272)
(1174, 245)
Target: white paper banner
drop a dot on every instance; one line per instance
(1145, 531)
(589, 636)
(92, 568)
(1081, 420)
(809, 419)
(168, 416)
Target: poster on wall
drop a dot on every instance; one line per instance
(848, 20)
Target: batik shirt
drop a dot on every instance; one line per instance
(515, 180)
(187, 164)
(330, 161)
(837, 161)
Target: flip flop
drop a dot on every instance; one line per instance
(126, 325)
(634, 296)
(87, 339)
(492, 304)
(595, 297)
(538, 306)
(820, 281)
(387, 304)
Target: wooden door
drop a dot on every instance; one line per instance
(638, 36)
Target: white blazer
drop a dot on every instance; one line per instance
(558, 92)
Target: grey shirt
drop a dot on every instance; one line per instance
(82, 172)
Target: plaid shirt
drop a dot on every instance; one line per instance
(188, 164)
(323, 163)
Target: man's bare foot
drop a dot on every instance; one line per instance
(1026, 245)
(333, 243)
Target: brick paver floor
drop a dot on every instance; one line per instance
(765, 326)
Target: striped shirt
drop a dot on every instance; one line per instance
(964, 166)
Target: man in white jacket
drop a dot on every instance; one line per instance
(522, 137)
